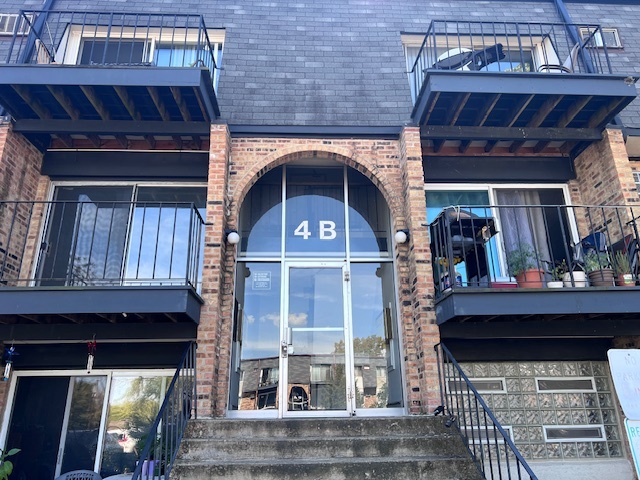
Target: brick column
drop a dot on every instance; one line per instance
(416, 279)
(215, 251)
(20, 179)
(603, 173)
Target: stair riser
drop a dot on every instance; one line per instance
(427, 426)
(449, 469)
(209, 450)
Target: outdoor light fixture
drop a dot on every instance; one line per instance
(232, 236)
(402, 236)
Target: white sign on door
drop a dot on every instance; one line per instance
(625, 371)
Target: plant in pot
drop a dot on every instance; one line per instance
(622, 267)
(575, 277)
(598, 266)
(523, 265)
(557, 275)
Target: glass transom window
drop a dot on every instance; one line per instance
(327, 211)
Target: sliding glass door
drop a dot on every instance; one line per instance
(114, 235)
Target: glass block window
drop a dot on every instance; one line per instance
(554, 410)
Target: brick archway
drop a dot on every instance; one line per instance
(342, 155)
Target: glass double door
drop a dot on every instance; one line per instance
(317, 361)
(315, 338)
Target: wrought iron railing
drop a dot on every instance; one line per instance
(509, 47)
(532, 245)
(489, 444)
(113, 38)
(79, 244)
(165, 435)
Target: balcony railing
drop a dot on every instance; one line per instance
(510, 47)
(109, 38)
(101, 244)
(525, 246)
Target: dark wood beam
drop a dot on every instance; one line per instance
(95, 140)
(66, 139)
(574, 109)
(490, 145)
(112, 127)
(454, 113)
(127, 102)
(33, 102)
(182, 105)
(427, 115)
(517, 111)
(541, 115)
(600, 118)
(157, 101)
(64, 101)
(151, 141)
(486, 110)
(95, 101)
(439, 132)
(197, 142)
(205, 112)
(464, 145)
(437, 145)
(122, 140)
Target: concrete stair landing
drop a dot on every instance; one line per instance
(399, 448)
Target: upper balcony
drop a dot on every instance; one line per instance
(98, 262)
(99, 80)
(494, 267)
(535, 87)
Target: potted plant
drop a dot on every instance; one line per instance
(523, 265)
(598, 266)
(575, 277)
(622, 267)
(557, 275)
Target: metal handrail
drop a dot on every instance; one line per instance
(167, 430)
(490, 446)
(549, 47)
(51, 30)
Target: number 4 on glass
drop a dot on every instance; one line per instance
(327, 230)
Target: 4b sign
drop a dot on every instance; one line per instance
(326, 230)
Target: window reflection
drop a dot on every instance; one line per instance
(133, 405)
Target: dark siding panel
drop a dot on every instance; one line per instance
(126, 165)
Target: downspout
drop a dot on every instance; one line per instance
(575, 38)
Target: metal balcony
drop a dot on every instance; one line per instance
(495, 264)
(531, 87)
(110, 78)
(99, 263)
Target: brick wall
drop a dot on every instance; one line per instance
(604, 177)
(396, 169)
(19, 180)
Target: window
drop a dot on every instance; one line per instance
(12, 22)
(574, 433)
(636, 179)
(555, 385)
(482, 385)
(610, 36)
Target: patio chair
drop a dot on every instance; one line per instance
(594, 243)
(80, 475)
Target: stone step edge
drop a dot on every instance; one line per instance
(325, 460)
(232, 439)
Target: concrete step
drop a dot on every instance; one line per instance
(417, 468)
(397, 448)
(194, 450)
(324, 427)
